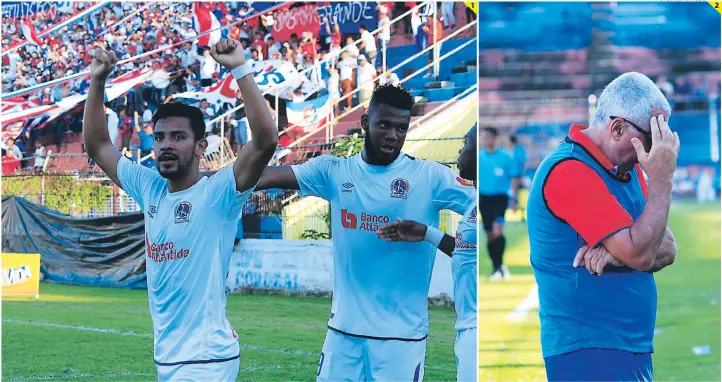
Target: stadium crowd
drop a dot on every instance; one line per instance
(188, 66)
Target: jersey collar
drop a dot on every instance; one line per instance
(577, 136)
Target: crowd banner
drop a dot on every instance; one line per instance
(21, 9)
(350, 15)
(297, 20)
(280, 76)
(304, 266)
(308, 115)
(21, 275)
(47, 113)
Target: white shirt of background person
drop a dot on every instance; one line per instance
(369, 41)
(353, 50)
(385, 24)
(214, 144)
(346, 68)
(113, 122)
(208, 66)
(366, 73)
(39, 157)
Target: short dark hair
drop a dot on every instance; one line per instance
(513, 139)
(391, 95)
(177, 109)
(363, 27)
(491, 130)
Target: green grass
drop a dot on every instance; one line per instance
(688, 312)
(284, 336)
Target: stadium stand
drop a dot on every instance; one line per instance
(537, 79)
(434, 134)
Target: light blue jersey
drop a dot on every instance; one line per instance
(496, 171)
(463, 268)
(381, 289)
(189, 238)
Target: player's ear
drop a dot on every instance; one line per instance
(365, 122)
(201, 146)
(616, 128)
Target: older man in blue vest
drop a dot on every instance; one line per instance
(598, 232)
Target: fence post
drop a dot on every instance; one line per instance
(223, 136)
(435, 54)
(115, 199)
(42, 178)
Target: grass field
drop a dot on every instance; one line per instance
(688, 312)
(106, 334)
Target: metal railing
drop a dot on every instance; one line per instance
(221, 118)
(360, 105)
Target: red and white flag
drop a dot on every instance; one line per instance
(29, 32)
(203, 21)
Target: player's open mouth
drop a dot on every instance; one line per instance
(167, 158)
(388, 149)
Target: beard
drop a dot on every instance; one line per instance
(177, 172)
(378, 154)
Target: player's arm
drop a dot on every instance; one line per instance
(412, 232)
(639, 245)
(449, 190)
(254, 157)
(577, 195)
(95, 131)
(278, 177)
(667, 252)
(516, 174)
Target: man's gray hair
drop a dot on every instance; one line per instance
(632, 96)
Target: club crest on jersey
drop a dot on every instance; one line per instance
(182, 212)
(399, 188)
(472, 217)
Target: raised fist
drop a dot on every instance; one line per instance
(103, 63)
(229, 53)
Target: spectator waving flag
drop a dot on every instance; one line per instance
(204, 21)
(29, 32)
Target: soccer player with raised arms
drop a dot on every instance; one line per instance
(190, 220)
(379, 317)
(463, 263)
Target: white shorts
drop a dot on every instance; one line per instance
(466, 355)
(201, 372)
(349, 358)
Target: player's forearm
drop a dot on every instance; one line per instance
(95, 131)
(447, 245)
(666, 253)
(515, 185)
(638, 246)
(260, 121)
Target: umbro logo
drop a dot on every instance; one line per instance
(347, 187)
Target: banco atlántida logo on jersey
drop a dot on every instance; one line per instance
(363, 222)
(162, 252)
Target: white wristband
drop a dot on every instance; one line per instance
(241, 71)
(433, 236)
